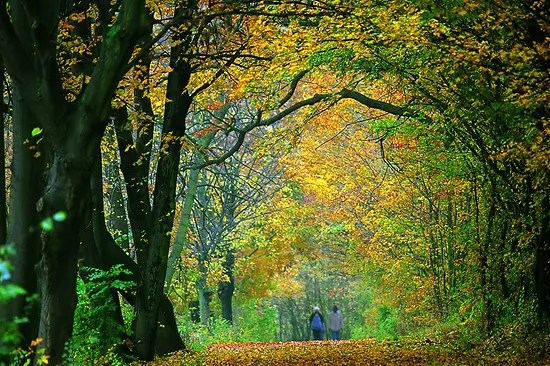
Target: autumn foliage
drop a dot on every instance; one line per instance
(351, 353)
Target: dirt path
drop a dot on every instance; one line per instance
(341, 353)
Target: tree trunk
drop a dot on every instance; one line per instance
(185, 220)
(27, 177)
(110, 254)
(28, 45)
(225, 294)
(136, 179)
(168, 337)
(68, 191)
(150, 288)
(204, 304)
(226, 289)
(118, 222)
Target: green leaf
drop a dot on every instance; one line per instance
(47, 224)
(36, 131)
(10, 291)
(60, 216)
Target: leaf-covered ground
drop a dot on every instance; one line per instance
(364, 352)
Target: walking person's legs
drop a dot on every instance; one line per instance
(316, 335)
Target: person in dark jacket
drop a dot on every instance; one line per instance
(317, 322)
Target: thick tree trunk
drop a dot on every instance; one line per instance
(163, 338)
(168, 338)
(27, 182)
(28, 37)
(68, 191)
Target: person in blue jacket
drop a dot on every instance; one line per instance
(317, 322)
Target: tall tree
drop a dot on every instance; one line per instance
(72, 129)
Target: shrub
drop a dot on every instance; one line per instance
(97, 333)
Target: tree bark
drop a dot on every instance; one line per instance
(27, 176)
(136, 179)
(117, 219)
(150, 289)
(168, 338)
(204, 296)
(109, 254)
(185, 220)
(226, 289)
(68, 191)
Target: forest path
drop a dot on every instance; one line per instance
(343, 353)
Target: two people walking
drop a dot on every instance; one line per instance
(335, 323)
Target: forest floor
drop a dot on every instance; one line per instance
(364, 352)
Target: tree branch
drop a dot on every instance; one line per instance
(16, 60)
(220, 71)
(115, 52)
(318, 98)
(293, 86)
